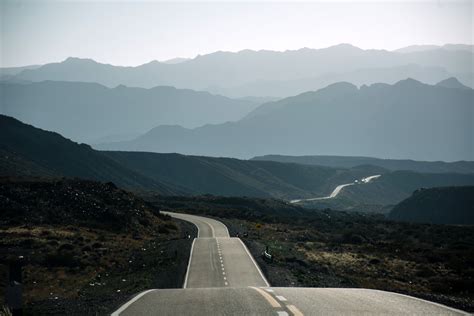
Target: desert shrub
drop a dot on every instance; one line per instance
(163, 230)
(64, 247)
(352, 238)
(425, 272)
(61, 260)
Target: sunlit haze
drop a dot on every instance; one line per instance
(127, 33)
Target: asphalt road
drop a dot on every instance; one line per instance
(338, 190)
(217, 260)
(223, 279)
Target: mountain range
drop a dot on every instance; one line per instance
(254, 73)
(408, 119)
(26, 151)
(90, 112)
(388, 164)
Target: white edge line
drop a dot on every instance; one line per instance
(253, 260)
(189, 265)
(130, 302)
(227, 229)
(199, 231)
(212, 228)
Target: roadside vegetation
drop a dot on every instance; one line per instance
(86, 247)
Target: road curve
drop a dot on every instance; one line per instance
(216, 259)
(207, 227)
(337, 190)
(223, 279)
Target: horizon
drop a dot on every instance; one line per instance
(166, 31)
(236, 52)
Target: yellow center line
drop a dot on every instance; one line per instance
(273, 302)
(294, 310)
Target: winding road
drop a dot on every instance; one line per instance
(337, 190)
(224, 279)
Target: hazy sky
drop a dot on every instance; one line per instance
(133, 33)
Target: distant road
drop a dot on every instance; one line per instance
(223, 279)
(338, 189)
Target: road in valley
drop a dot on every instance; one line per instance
(223, 279)
(337, 190)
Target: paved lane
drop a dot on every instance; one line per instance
(218, 260)
(240, 267)
(337, 190)
(223, 279)
(207, 227)
(337, 301)
(281, 302)
(201, 302)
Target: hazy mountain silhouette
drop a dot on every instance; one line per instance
(88, 111)
(405, 120)
(420, 48)
(284, 88)
(176, 60)
(388, 164)
(11, 71)
(452, 83)
(222, 71)
(447, 205)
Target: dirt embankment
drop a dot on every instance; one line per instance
(87, 247)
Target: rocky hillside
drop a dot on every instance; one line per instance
(86, 247)
(73, 202)
(447, 205)
(29, 151)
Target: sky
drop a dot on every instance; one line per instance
(133, 33)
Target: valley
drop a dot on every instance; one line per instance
(236, 158)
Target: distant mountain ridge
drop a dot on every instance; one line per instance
(87, 112)
(232, 72)
(420, 48)
(419, 121)
(26, 151)
(452, 83)
(389, 164)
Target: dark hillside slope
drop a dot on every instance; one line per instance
(447, 205)
(73, 202)
(227, 176)
(27, 150)
(389, 164)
